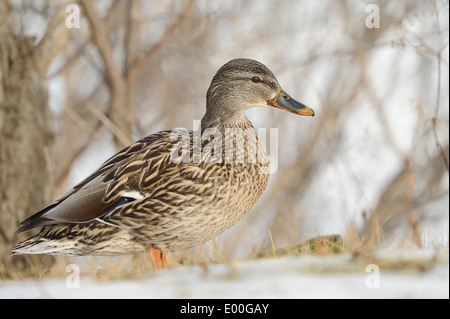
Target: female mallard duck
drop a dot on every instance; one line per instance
(165, 195)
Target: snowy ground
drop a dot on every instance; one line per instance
(410, 274)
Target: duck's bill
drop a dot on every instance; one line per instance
(283, 101)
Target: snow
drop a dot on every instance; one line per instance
(332, 276)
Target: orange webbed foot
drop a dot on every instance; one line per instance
(158, 258)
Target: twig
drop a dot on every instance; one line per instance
(65, 172)
(80, 44)
(438, 95)
(113, 128)
(273, 245)
(53, 41)
(100, 38)
(116, 110)
(134, 70)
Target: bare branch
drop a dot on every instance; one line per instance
(134, 70)
(108, 123)
(114, 76)
(53, 41)
(100, 38)
(438, 94)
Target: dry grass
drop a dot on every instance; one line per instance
(363, 251)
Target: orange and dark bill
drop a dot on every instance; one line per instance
(283, 101)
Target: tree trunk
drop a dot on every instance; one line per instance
(25, 138)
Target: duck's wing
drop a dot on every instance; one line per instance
(124, 177)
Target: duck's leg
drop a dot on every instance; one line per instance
(158, 258)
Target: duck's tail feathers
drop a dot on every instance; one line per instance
(39, 245)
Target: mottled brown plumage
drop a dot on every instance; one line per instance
(174, 189)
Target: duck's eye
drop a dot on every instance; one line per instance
(256, 79)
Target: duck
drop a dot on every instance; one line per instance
(171, 190)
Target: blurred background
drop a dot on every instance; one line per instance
(371, 166)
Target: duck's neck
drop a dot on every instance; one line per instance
(222, 117)
(218, 123)
(236, 141)
(222, 126)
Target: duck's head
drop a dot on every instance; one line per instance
(244, 83)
